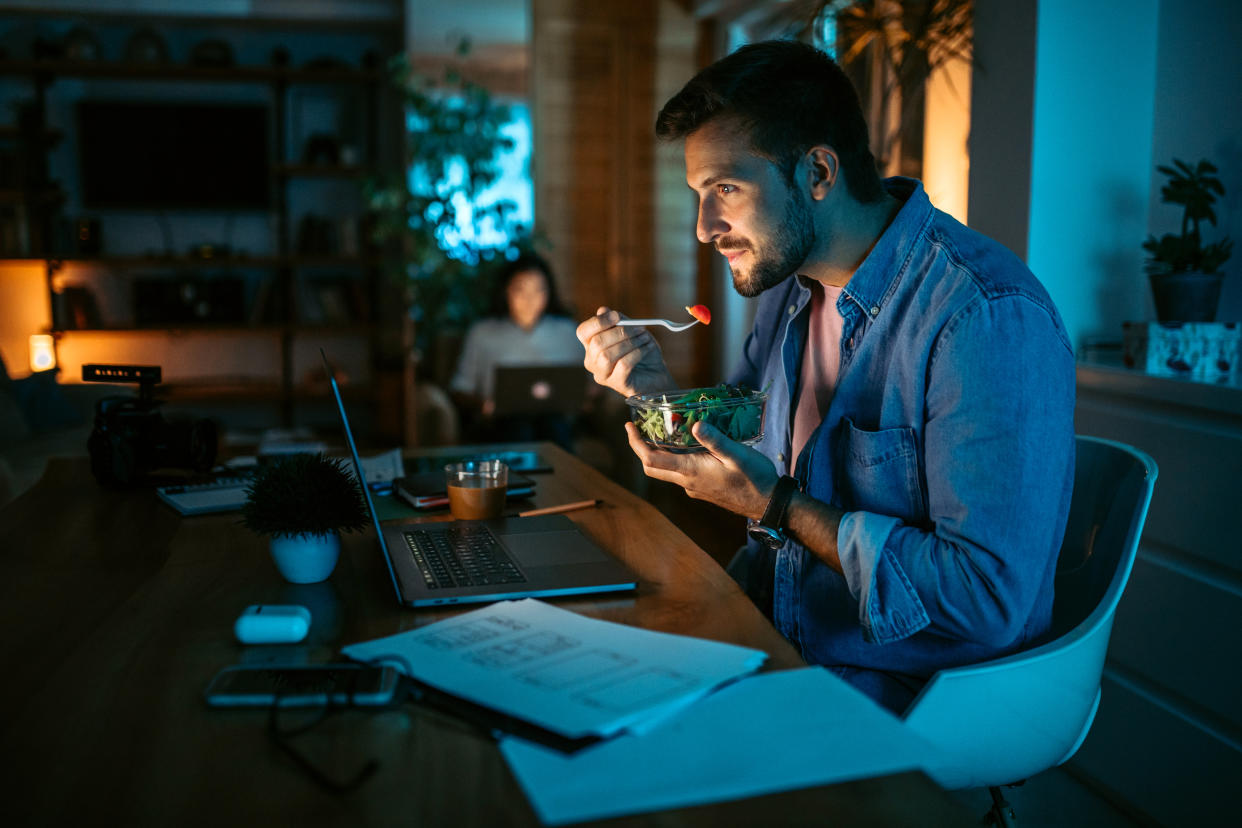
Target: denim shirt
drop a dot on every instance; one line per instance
(949, 444)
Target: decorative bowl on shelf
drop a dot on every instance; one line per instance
(665, 418)
(146, 46)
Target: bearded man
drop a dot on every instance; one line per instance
(908, 499)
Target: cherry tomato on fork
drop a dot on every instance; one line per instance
(700, 312)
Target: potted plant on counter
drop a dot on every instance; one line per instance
(302, 502)
(1185, 273)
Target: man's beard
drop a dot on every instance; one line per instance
(789, 246)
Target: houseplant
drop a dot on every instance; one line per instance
(454, 136)
(1184, 272)
(890, 49)
(302, 502)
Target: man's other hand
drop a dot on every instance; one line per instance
(728, 474)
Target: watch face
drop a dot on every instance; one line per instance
(770, 538)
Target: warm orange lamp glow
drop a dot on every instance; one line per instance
(42, 353)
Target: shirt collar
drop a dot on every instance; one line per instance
(871, 284)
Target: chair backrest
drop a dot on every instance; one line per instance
(1112, 488)
(1004, 720)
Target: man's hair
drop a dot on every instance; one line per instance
(788, 96)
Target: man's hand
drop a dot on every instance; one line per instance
(627, 360)
(728, 474)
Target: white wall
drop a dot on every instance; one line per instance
(1065, 176)
(1095, 75)
(1199, 115)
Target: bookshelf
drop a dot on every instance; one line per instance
(152, 286)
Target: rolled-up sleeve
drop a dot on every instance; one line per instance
(889, 606)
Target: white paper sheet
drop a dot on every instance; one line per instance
(571, 674)
(766, 733)
(382, 468)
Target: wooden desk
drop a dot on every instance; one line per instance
(116, 612)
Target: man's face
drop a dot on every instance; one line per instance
(747, 208)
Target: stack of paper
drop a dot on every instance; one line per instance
(767, 733)
(565, 672)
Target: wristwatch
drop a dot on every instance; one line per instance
(768, 529)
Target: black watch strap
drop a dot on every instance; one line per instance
(778, 505)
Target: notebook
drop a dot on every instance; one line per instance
(464, 561)
(426, 490)
(539, 389)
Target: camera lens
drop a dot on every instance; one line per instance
(185, 444)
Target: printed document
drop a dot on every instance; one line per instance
(766, 733)
(573, 675)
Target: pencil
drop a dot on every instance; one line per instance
(564, 507)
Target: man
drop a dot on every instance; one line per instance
(912, 486)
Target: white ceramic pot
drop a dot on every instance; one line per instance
(306, 559)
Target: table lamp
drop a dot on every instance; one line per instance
(42, 353)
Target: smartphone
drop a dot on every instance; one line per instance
(338, 684)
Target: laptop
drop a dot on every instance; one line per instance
(538, 389)
(467, 561)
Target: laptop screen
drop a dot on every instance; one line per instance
(537, 389)
(366, 490)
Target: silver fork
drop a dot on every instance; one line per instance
(668, 323)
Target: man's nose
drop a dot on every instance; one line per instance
(711, 224)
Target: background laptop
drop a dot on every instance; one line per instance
(463, 561)
(538, 389)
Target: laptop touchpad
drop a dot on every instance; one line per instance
(550, 548)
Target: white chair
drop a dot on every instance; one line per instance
(1002, 721)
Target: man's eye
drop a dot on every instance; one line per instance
(725, 189)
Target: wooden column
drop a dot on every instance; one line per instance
(615, 208)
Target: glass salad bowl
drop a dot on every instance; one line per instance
(665, 418)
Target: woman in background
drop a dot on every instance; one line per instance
(526, 325)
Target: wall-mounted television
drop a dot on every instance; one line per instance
(173, 155)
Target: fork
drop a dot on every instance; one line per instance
(668, 323)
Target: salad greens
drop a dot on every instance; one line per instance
(734, 409)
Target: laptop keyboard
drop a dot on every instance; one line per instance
(461, 556)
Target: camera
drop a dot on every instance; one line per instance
(131, 440)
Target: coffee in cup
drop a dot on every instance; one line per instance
(476, 489)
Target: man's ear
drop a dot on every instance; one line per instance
(825, 167)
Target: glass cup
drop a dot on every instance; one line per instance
(476, 489)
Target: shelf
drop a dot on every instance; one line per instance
(49, 137)
(198, 263)
(345, 19)
(180, 329)
(320, 171)
(49, 195)
(226, 391)
(182, 72)
(264, 329)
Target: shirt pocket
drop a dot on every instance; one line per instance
(879, 472)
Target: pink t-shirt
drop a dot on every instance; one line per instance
(821, 364)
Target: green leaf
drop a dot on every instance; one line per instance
(1196, 190)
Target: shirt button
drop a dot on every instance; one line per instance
(875, 309)
(849, 343)
(780, 458)
(793, 309)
